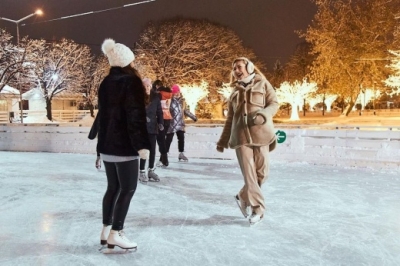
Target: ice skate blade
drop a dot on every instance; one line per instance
(238, 203)
(110, 251)
(109, 246)
(143, 182)
(183, 160)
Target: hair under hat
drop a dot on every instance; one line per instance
(118, 54)
(175, 88)
(146, 81)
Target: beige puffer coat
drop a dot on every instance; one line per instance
(249, 119)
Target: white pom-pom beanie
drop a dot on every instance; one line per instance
(118, 54)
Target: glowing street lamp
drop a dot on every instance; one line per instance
(37, 12)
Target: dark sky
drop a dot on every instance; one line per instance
(266, 26)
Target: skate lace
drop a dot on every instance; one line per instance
(122, 235)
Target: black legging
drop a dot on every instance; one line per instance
(122, 181)
(181, 140)
(152, 157)
(161, 137)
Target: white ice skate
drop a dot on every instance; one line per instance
(182, 157)
(153, 177)
(104, 234)
(143, 178)
(255, 218)
(242, 206)
(118, 238)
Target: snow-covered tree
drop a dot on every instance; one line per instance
(348, 38)
(99, 68)
(314, 100)
(393, 80)
(293, 93)
(59, 67)
(193, 93)
(225, 90)
(329, 99)
(188, 51)
(8, 61)
(367, 95)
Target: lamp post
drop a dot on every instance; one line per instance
(37, 12)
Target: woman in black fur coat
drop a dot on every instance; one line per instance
(122, 139)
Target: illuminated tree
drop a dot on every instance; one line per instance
(314, 100)
(15, 67)
(189, 51)
(60, 66)
(298, 66)
(294, 93)
(225, 90)
(193, 93)
(8, 61)
(349, 38)
(393, 80)
(367, 95)
(328, 100)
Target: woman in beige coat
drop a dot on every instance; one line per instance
(250, 131)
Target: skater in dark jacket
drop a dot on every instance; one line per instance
(122, 139)
(165, 95)
(249, 129)
(155, 121)
(178, 112)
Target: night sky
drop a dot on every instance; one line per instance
(266, 26)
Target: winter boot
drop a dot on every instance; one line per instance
(104, 234)
(182, 157)
(153, 177)
(255, 218)
(164, 159)
(142, 177)
(242, 206)
(118, 238)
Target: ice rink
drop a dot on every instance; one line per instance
(50, 207)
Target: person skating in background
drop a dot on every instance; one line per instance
(165, 97)
(122, 139)
(250, 131)
(155, 121)
(178, 112)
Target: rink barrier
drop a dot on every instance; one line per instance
(353, 146)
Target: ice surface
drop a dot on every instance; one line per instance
(50, 207)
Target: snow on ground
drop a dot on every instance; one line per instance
(50, 205)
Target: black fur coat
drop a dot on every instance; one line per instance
(121, 119)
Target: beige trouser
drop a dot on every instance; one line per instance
(254, 163)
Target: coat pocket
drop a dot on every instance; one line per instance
(257, 97)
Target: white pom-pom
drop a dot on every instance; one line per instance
(107, 45)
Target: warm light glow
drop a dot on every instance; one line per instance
(39, 12)
(294, 93)
(193, 93)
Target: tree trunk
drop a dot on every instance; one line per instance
(48, 109)
(295, 112)
(348, 109)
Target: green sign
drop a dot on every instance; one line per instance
(281, 136)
